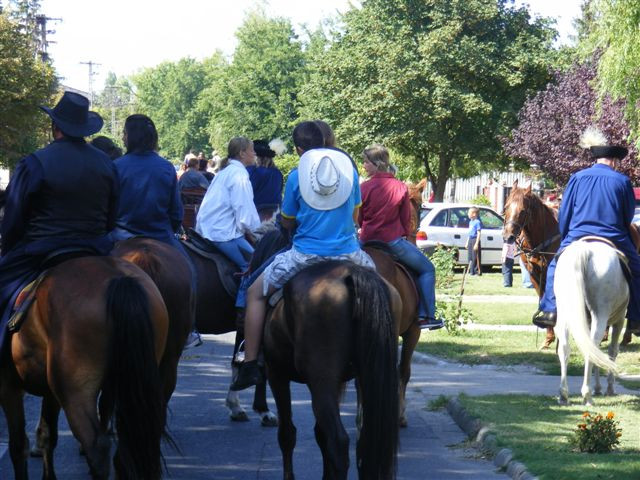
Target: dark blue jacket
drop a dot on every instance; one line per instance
(267, 186)
(150, 202)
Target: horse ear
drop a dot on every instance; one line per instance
(515, 184)
(529, 187)
(422, 184)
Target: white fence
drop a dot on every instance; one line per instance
(4, 178)
(496, 186)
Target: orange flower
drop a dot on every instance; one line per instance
(582, 426)
(618, 434)
(585, 415)
(610, 415)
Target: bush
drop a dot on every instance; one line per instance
(597, 434)
(454, 315)
(481, 200)
(444, 259)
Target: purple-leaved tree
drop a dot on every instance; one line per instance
(552, 121)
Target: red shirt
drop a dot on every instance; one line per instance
(386, 210)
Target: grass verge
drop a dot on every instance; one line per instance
(490, 313)
(487, 284)
(513, 348)
(537, 430)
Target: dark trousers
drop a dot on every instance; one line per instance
(474, 257)
(507, 272)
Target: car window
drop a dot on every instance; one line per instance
(458, 218)
(440, 220)
(423, 212)
(489, 219)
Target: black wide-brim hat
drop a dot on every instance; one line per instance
(262, 149)
(608, 151)
(73, 117)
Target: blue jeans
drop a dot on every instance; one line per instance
(507, 272)
(413, 258)
(526, 277)
(238, 250)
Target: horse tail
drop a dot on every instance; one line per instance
(377, 375)
(133, 381)
(579, 323)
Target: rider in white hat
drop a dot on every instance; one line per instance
(321, 201)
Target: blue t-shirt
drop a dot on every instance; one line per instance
(475, 226)
(321, 232)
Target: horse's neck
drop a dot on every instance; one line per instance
(540, 229)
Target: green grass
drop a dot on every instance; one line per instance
(537, 430)
(475, 347)
(502, 313)
(487, 284)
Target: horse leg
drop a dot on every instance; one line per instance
(236, 411)
(329, 429)
(80, 409)
(267, 417)
(613, 349)
(409, 341)
(280, 387)
(47, 434)
(11, 399)
(563, 354)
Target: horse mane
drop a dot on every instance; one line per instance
(270, 243)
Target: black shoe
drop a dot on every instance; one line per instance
(249, 374)
(544, 319)
(430, 323)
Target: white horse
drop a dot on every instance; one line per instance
(592, 293)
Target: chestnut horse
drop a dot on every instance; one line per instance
(415, 197)
(534, 227)
(337, 321)
(90, 343)
(216, 313)
(407, 327)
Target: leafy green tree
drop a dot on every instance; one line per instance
(612, 29)
(438, 81)
(168, 94)
(25, 83)
(256, 95)
(115, 103)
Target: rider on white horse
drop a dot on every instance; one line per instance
(597, 201)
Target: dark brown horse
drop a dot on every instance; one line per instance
(216, 313)
(534, 227)
(169, 270)
(415, 197)
(91, 343)
(408, 327)
(337, 321)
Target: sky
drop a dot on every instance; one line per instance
(124, 36)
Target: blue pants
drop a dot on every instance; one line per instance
(247, 280)
(548, 300)
(238, 250)
(413, 258)
(507, 272)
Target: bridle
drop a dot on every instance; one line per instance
(538, 250)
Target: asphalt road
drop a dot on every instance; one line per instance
(213, 447)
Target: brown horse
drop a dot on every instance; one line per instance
(407, 327)
(169, 270)
(91, 343)
(337, 321)
(415, 197)
(216, 313)
(534, 227)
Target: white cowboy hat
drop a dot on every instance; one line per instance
(325, 176)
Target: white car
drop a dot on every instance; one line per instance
(448, 224)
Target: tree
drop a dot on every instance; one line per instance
(613, 29)
(115, 103)
(551, 124)
(256, 95)
(437, 81)
(168, 94)
(25, 83)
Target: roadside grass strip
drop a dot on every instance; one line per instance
(487, 284)
(489, 313)
(537, 431)
(508, 348)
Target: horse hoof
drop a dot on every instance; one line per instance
(597, 393)
(35, 452)
(610, 392)
(269, 421)
(403, 423)
(239, 417)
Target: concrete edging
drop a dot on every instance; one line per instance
(486, 439)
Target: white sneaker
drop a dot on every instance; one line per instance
(193, 340)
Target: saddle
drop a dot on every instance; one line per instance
(624, 261)
(226, 268)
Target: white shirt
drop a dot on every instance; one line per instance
(227, 210)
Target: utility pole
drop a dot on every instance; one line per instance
(40, 36)
(91, 64)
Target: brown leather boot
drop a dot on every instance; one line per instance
(550, 338)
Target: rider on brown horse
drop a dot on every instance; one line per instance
(321, 198)
(62, 196)
(385, 216)
(597, 201)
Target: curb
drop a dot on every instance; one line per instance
(483, 437)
